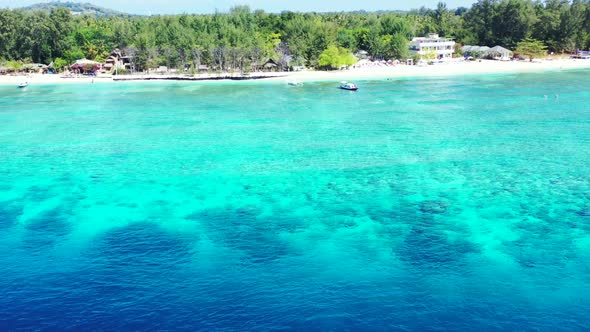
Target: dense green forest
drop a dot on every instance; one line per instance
(241, 37)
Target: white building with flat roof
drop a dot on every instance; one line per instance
(442, 47)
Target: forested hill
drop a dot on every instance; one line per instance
(75, 8)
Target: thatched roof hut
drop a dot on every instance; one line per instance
(270, 64)
(494, 52)
(85, 62)
(474, 49)
(86, 65)
(499, 51)
(34, 67)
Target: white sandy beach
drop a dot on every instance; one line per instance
(445, 69)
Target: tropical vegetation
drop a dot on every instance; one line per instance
(242, 38)
(531, 48)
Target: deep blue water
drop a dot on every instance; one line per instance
(443, 204)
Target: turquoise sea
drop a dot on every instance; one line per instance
(433, 204)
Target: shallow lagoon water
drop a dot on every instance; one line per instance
(457, 203)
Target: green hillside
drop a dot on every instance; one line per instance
(75, 8)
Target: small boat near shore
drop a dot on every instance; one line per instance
(348, 86)
(294, 83)
(23, 85)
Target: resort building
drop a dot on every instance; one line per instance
(442, 47)
(117, 60)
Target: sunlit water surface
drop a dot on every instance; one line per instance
(459, 203)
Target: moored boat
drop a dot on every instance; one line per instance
(348, 86)
(23, 85)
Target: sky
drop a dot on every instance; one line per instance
(210, 6)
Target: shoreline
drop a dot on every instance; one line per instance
(444, 70)
(221, 77)
(400, 71)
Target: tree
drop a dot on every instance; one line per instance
(345, 38)
(395, 24)
(196, 55)
(460, 11)
(283, 57)
(132, 53)
(335, 57)
(479, 20)
(513, 21)
(347, 58)
(219, 55)
(59, 64)
(33, 38)
(398, 47)
(73, 54)
(430, 55)
(330, 58)
(14, 65)
(241, 37)
(9, 25)
(441, 16)
(60, 27)
(532, 48)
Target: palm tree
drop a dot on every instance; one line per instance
(439, 15)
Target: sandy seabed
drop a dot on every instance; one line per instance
(444, 69)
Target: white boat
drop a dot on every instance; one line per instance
(23, 85)
(348, 86)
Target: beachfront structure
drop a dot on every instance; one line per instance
(496, 52)
(361, 55)
(270, 65)
(117, 60)
(433, 44)
(474, 51)
(499, 52)
(581, 54)
(266, 65)
(37, 68)
(86, 66)
(113, 61)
